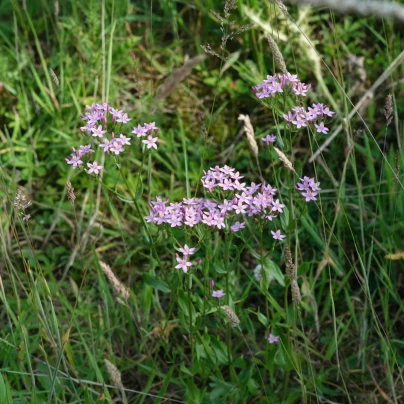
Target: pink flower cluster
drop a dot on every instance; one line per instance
(101, 122)
(280, 82)
(300, 117)
(237, 200)
(183, 262)
(309, 188)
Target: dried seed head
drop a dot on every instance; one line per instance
(119, 287)
(284, 159)
(70, 192)
(295, 291)
(388, 109)
(282, 7)
(114, 374)
(277, 54)
(20, 201)
(291, 272)
(249, 131)
(208, 49)
(54, 77)
(228, 6)
(231, 316)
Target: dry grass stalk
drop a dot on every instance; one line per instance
(285, 160)
(280, 61)
(397, 167)
(178, 75)
(388, 109)
(54, 77)
(381, 9)
(70, 192)
(119, 287)
(249, 131)
(231, 316)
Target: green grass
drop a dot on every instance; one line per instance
(61, 317)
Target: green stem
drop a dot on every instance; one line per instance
(191, 334)
(227, 240)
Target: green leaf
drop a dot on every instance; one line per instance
(185, 370)
(234, 263)
(304, 267)
(285, 218)
(274, 271)
(156, 283)
(124, 198)
(219, 268)
(262, 319)
(139, 187)
(3, 392)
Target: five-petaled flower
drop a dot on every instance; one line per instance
(187, 250)
(151, 142)
(277, 235)
(218, 293)
(273, 339)
(94, 168)
(183, 263)
(321, 128)
(269, 139)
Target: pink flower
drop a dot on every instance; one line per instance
(86, 149)
(186, 250)
(277, 235)
(218, 293)
(310, 195)
(123, 118)
(98, 131)
(321, 128)
(94, 168)
(140, 131)
(269, 139)
(124, 140)
(183, 263)
(237, 226)
(151, 142)
(277, 207)
(75, 160)
(273, 339)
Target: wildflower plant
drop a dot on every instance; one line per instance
(105, 127)
(233, 208)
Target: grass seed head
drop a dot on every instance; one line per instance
(70, 192)
(280, 61)
(388, 109)
(231, 316)
(119, 287)
(284, 159)
(114, 374)
(297, 298)
(290, 267)
(249, 131)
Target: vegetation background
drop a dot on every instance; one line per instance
(66, 335)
